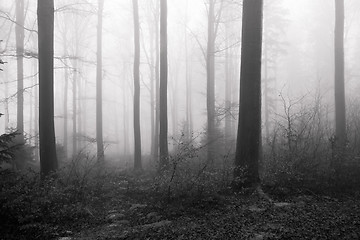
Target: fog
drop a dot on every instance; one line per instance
(298, 68)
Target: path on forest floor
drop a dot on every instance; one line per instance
(302, 217)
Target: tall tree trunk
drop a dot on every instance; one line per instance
(189, 121)
(66, 87)
(74, 104)
(137, 134)
(228, 86)
(125, 113)
(80, 116)
(36, 110)
(48, 159)
(152, 91)
(174, 105)
(99, 124)
(6, 102)
(163, 141)
(266, 92)
(19, 33)
(157, 82)
(340, 121)
(249, 130)
(210, 83)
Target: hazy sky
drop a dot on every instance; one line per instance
(307, 64)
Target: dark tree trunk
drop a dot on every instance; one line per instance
(137, 134)
(74, 104)
(228, 86)
(66, 87)
(163, 141)
(152, 91)
(249, 129)
(340, 121)
(125, 113)
(19, 33)
(157, 83)
(99, 124)
(210, 83)
(36, 119)
(189, 120)
(48, 160)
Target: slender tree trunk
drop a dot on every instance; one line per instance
(235, 63)
(249, 130)
(174, 106)
(189, 121)
(157, 83)
(125, 114)
(36, 110)
(137, 134)
(6, 102)
(84, 111)
(99, 124)
(48, 159)
(228, 86)
(74, 103)
(210, 83)
(152, 92)
(30, 132)
(80, 116)
(163, 141)
(266, 91)
(66, 87)
(340, 121)
(19, 33)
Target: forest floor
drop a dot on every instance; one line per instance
(229, 216)
(117, 209)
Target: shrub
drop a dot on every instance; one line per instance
(34, 209)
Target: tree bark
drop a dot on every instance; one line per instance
(340, 120)
(210, 83)
(137, 133)
(74, 104)
(189, 121)
(48, 159)
(99, 119)
(19, 33)
(157, 83)
(152, 91)
(249, 129)
(163, 141)
(66, 87)
(228, 86)
(36, 110)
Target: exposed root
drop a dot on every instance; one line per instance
(259, 191)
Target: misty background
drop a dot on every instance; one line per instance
(297, 66)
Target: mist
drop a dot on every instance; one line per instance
(200, 95)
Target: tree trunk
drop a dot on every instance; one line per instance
(157, 83)
(228, 86)
(125, 113)
(6, 102)
(99, 124)
(66, 87)
(137, 134)
(249, 130)
(340, 121)
(19, 33)
(163, 141)
(189, 121)
(48, 159)
(36, 110)
(74, 104)
(152, 91)
(210, 83)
